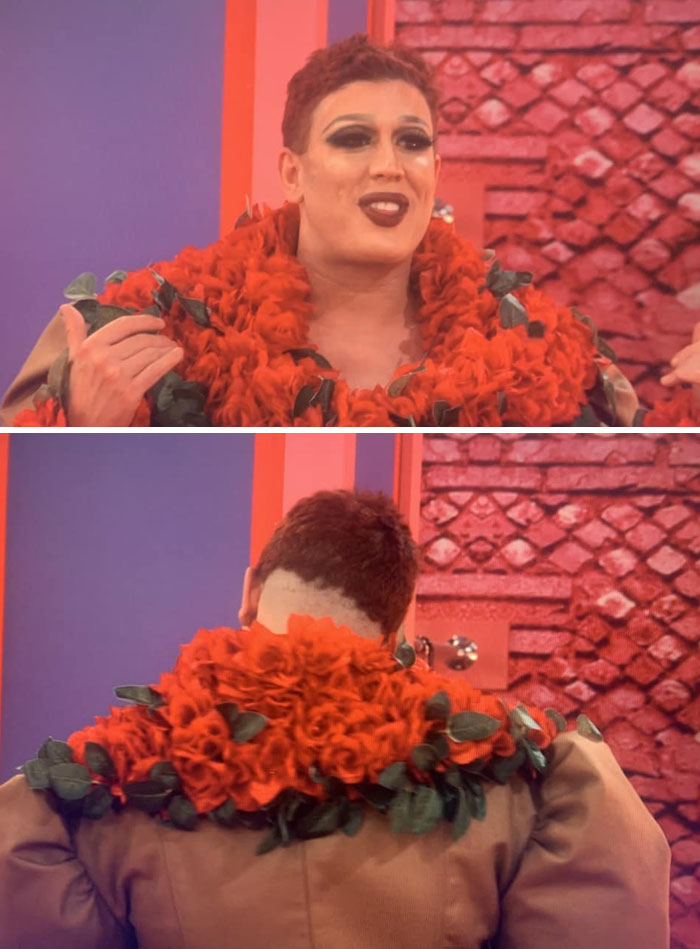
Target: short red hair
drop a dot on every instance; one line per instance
(355, 542)
(351, 60)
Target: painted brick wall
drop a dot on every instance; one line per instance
(582, 118)
(590, 546)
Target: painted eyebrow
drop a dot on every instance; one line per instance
(368, 118)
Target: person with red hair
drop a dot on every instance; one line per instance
(307, 781)
(350, 305)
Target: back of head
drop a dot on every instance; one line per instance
(354, 543)
(351, 60)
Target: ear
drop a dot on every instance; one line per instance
(289, 165)
(249, 598)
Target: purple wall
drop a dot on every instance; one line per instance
(119, 547)
(374, 462)
(346, 17)
(111, 159)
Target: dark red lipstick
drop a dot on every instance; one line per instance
(385, 208)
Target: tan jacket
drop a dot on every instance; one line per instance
(576, 862)
(34, 372)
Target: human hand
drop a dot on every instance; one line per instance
(112, 369)
(685, 365)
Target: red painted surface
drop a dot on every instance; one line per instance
(580, 119)
(589, 545)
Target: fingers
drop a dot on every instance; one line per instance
(670, 379)
(157, 369)
(146, 356)
(76, 328)
(685, 353)
(126, 348)
(696, 333)
(125, 326)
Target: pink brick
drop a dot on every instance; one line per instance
(620, 145)
(643, 670)
(688, 584)
(598, 75)
(621, 95)
(558, 252)
(643, 120)
(618, 562)
(670, 695)
(440, 511)
(611, 37)
(643, 587)
(686, 852)
(597, 209)
(670, 186)
(691, 38)
(592, 164)
(622, 516)
(669, 95)
(571, 515)
(647, 74)
(650, 254)
(688, 627)
(688, 537)
(512, 203)
(495, 477)
(667, 650)
(439, 448)
(689, 671)
(594, 121)
(646, 166)
(649, 720)
(461, 36)
(626, 699)
(594, 628)
(544, 74)
(615, 605)
(546, 116)
(545, 534)
(671, 11)
(578, 233)
(558, 669)
(601, 672)
(487, 147)
(565, 11)
(667, 561)
(644, 537)
(668, 608)
(570, 557)
(442, 552)
(689, 205)
(688, 123)
(493, 113)
(485, 448)
(669, 143)
(524, 513)
(499, 72)
(671, 515)
(624, 229)
(689, 75)
(672, 828)
(690, 166)
(519, 553)
(495, 585)
(537, 642)
(570, 93)
(594, 534)
(579, 691)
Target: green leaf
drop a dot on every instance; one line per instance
(303, 400)
(445, 415)
(501, 769)
(405, 654)
(400, 812)
(535, 756)
(557, 718)
(70, 781)
(299, 354)
(224, 815)
(426, 810)
(106, 313)
(523, 717)
(99, 760)
(248, 725)
(376, 795)
(57, 378)
(397, 387)
(164, 774)
(315, 774)
(393, 776)
(197, 309)
(355, 819)
(140, 694)
(117, 276)
(402, 421)
(438, 705)
(471, 726)
(511, 312)
(440, 744)
(97, 802)
(88, 311)
(182, 813)
(500, 282)
(84, 285)
(320, 821)
(147, 796)
(502, 402)
(36, 771)
(424, 757)
(476, 799)
(454, 777)
(270, 841)
(536, 329)
(56, 752)
(462, 818)
(585, 727)
(324, 396)
(229, 710)
(151, 310)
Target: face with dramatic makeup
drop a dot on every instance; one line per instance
(366, 183)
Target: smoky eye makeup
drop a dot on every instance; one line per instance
(353, 137)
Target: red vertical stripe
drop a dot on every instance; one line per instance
(268, 490)
(407, 487)
(4, 457)
(381, 19)
(238, 110)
